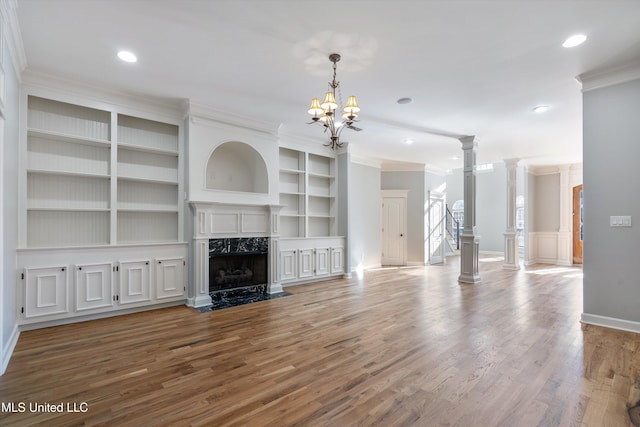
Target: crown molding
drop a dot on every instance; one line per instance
(207, 113)
(172, 109)
(402, 167)
(12, 35)
(553, 169)
(366, 161)
(298, 141)
(609, 76)
(435, 170)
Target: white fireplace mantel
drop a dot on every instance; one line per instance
(212, 220)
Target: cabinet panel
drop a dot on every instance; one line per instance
(46, 291)
(134, 282)
(305, 263)
(94, 287)
(322, 261)
(288, 264)
(170, 278)
(337, 260)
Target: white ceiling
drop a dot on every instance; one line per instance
(471, 67)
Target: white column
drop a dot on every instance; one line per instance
(511, 253)
(565, 243)
(469, 242)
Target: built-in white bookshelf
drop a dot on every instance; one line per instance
(308, 193)
(85, 187)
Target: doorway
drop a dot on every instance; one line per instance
(435, 236)
(577, 223)
(394, 220)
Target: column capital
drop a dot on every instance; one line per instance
(511, 162)
(468, 142)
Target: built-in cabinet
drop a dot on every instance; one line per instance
(101, 203)
(306, 260)
(66, 291)
(309, 247)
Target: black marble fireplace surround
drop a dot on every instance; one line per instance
(238, 263)
(238, 272)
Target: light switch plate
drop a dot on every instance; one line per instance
(620, 221)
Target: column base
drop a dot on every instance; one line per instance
(469, 254)
(199, 301)
(511, 255)
(275, 288)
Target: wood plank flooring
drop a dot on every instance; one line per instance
(399, 347)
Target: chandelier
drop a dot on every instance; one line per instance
(325, 114)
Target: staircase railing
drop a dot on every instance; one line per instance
(453, 227)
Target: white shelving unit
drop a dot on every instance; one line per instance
(74, 181)
(147, 190)
(100, 190)
(68, 174)
(307, 190)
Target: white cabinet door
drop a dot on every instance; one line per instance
(337, 260)
(94, 287)
(134, 283)
(322, 261)
(46, 291)
(170, 278)
(288, 265)
(305, 263)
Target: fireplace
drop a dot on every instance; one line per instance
(236, 263)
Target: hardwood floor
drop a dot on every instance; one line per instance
(400, 347)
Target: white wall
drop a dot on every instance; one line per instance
(365, 202)
(9, 207)
(611, 151)
(491, 208)
(546, 202)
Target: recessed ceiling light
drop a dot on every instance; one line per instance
(406, 100)
(541, 109)
(408, 141)
(455, 158)
(127, 56)
(574, 40)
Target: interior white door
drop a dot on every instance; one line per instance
(393, 230)
(436, 236)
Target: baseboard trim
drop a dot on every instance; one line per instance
(8, 349)
(98, 316)
(610, 322)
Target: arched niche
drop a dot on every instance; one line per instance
(236, 166)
